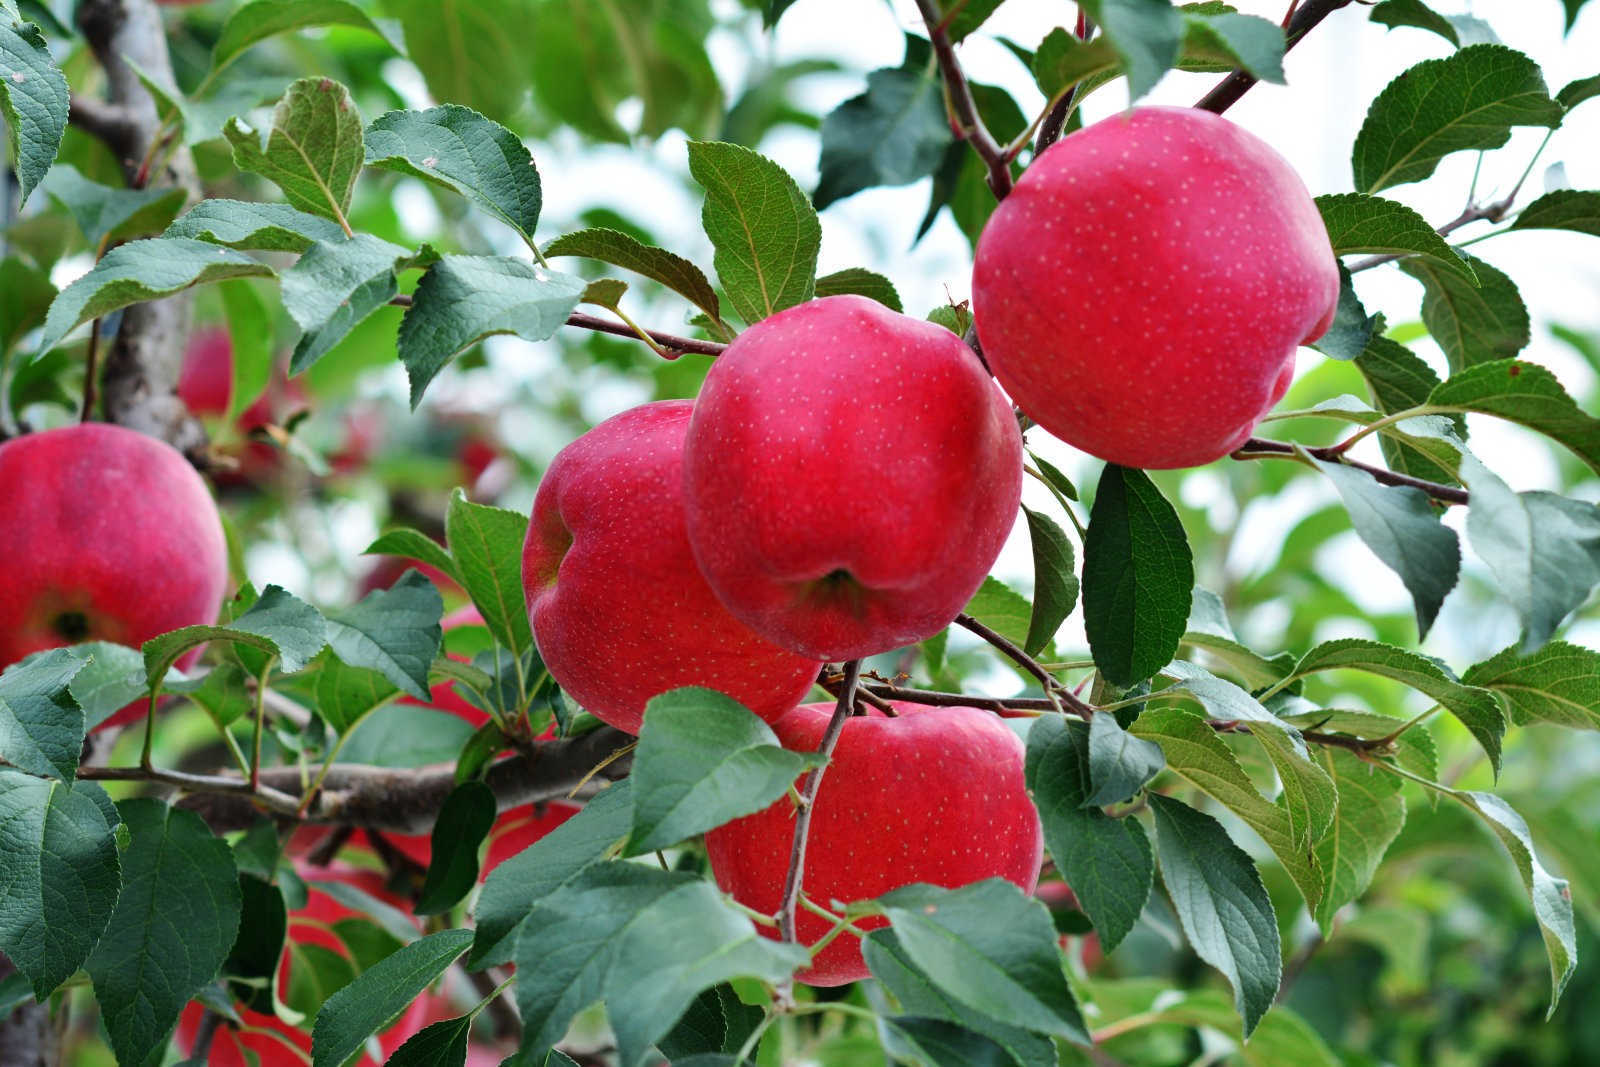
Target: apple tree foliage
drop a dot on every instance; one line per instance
(1302, 840)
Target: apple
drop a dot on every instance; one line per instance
(850, 475)
(107, 535)
(273, 1039)
(1141, 292)
(932, 795)
(205, 385)
(619, 611)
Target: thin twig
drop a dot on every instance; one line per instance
(669, 341)
(936, 699)
(275, 800)
(962, 103)
(1053, 690)
(1259, 448)
(1055, 120)
(1474, 213)
(1228, 91)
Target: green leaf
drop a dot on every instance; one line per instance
(1052, 474)
(1559, 684)
(990, 947)
(59, 852)
(515, 886)
(717, 1021)
(254, 22)
(41, 724)
(1055, 580)
(1208, 629)
(862, 282)
(140, 271)
(763, 228)
(333, 287)
(146, 968)
(1468, 100)
(346, 695)
(621, 250)
(380, 994)
(1397, 13)
(1473, 323)
(1002, 609)
(1543, 549)
(893, 134)
(1358, 223)
(1369, 816)
(940, 1043)
(969, 17)
(1352, 328)
(1106, 861)
(917, 994)
(1524, 393)
(1401, 527)
(25, 295)
(1397, 380)
(465, 54)
(1197, 754)
(463, 299)
(644, 941)
(1146, 34)
(1062, 60)
(486, 543)
(441, 1044)
(252, 962)
(394, 631)
(1477, 709)
(1119, 764)
(33, 102)
(1137, 577)
(250, 226)
(277, 624)
(112, 677)
(1254, 44)
(1563, 209)
(1577, 91)
(1222, 904)
(413, 544)
(458, 148)
(313, 151)
(108, 214)
(703, 759)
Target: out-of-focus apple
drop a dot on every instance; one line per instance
(205, 385)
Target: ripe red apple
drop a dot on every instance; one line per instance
(107, 535)
(619, 611)
(933, 795)
(1141, 292)
(312, 925)
(205, 385)
(850, 475)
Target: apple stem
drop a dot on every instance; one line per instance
(790, 902)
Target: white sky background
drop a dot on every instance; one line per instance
(1333, 76)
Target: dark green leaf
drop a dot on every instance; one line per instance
(1137, 577)
(1576, 92)
(333, 287)
(1563, 209)
(107, 214)
(1473, 323)
(441, 1044)
(413, 544)
(644, 941)
(1543, 549)
(1119, 764)
(1062, 60)
(173, 925)
(59, 854)
(33, 101)
(893, 134)
(862, 282)
(486, 543)
(1106, 861)
(1397, 13)
(464, 821)
(346, 695)
(313, 151)
(969, 16)
(458, 148)
(277, 624)
(940, 1043)
(717, 1021)
(514, 887)
(263, 924)
(1524, 393)
(703, 759)
(763, 228)
(112, 677)
(1217, 893)
(394, 631)
(380, 994)
(463, 299)
(990, 947)
(1358, 223)
(1055, 580)
(1398, 380)
(41, 724)
(254, 227)
(1146, 34)
(1404, 532)
(1369, 816)
(1560, 684)
(140, 271)
(621, 250)
(1468, 100)
(25, 296)
(1252, 43)
(1352, 329)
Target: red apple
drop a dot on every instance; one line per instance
(205, 384)
(312, 925)
(1141, 292)
(933, 795)
(107, 535)
(850, 475)
(618, 608)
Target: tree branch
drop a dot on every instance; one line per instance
(1474, 213)
(111, 123)
(1259, 448)
(669, 341)
(962, 103)
(1228, 91)
(1054, 691)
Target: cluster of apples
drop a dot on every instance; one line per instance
(848, 475)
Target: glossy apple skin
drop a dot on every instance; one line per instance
(205, 384)
(934, 795)
(309, 926)
(619, 610)
(850, 475)
(107, 535)
(1142, 291)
